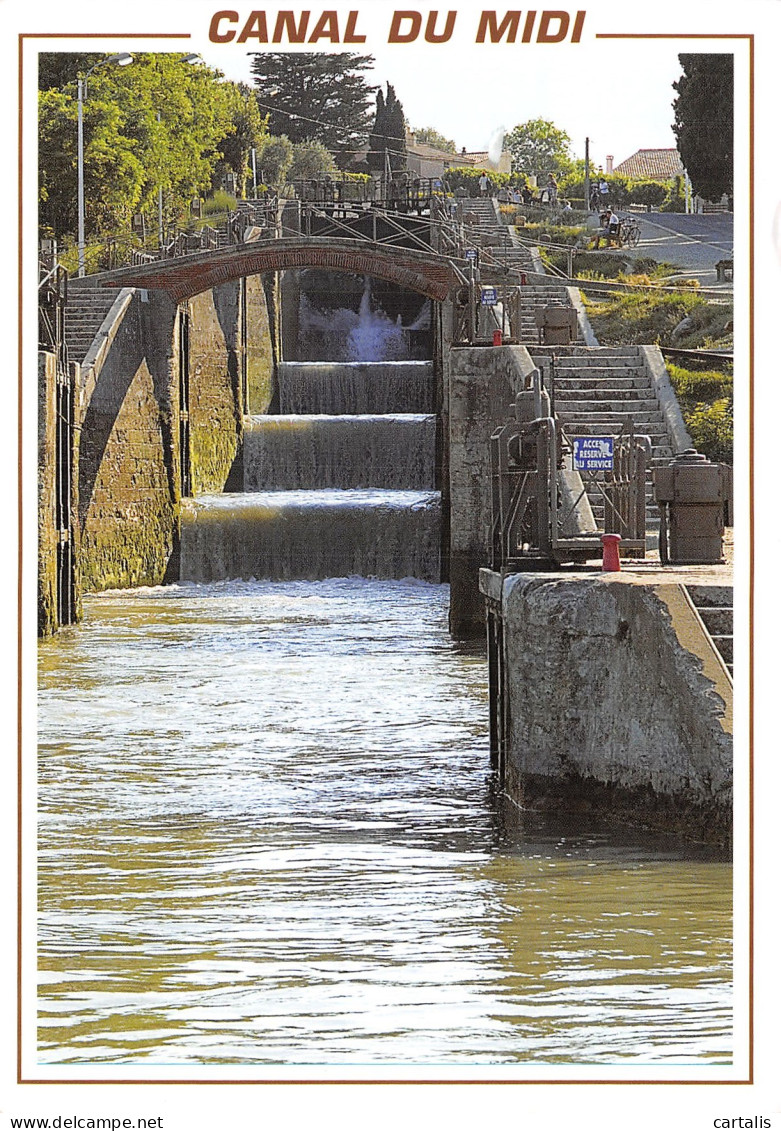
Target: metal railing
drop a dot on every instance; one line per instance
(52, 296)
(540, 509)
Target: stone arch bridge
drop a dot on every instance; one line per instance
(426, 272)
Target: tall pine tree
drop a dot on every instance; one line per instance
(704, 122)
(387, 142)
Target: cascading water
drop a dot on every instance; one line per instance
(367, 334)
(312, 453)
(342, 483)
(357, 387)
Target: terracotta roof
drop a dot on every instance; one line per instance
(431, 151)
(651, 165)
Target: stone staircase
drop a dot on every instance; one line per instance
(714, 606)
(598, 391)
(502, 246)
(502, 251)
(85, 312)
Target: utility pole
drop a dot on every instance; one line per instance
(587, 182)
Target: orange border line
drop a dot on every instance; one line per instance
(20, 355)
(484, 1080)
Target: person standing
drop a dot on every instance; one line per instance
(484, 184)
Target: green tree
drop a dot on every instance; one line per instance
(151, 126)
(704, 122)
(316, 97)
(429, 136)
(274, 158)
(387, 141)
(538, 148)
(310, 159)
(248, 131)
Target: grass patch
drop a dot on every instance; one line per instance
(680, 318)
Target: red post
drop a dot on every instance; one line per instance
(611, 563)
(497, 337)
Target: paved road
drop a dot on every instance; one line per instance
(693, 243)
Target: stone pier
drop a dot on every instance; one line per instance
(611, 695)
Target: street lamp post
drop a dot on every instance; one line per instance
(122, 59)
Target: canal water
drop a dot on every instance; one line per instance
(269, 836)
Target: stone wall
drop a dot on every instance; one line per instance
(613, 701)
(231, 361)
(130, 463)
(215, 386)
(127, 479)
(480, 387)
(262, 303)
(47, 530)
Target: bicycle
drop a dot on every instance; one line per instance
(629, 233)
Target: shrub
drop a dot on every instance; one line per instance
(219, 203)
(711, 428)
(469, 178)
(676, 200)
(650, 193)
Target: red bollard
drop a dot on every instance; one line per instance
(497, 337)
(524, 280)
(611, 563)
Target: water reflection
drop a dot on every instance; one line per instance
(269, 836)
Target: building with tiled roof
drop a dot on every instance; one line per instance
(651, 165)
(483, 161)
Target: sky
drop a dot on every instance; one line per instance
(621, 99)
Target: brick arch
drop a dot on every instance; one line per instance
(427, 273)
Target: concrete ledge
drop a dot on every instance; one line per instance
(586, 331)
(613, 701)
(101, 343)
(668, 402)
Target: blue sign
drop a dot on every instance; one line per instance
(592, 453)
(470, 253)
(488, 296)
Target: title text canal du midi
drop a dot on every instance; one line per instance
(406, 26)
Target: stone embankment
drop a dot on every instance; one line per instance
(612, 697)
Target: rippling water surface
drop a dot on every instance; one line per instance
(268, 835)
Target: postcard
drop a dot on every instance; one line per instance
(393, 436)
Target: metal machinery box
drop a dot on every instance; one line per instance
(691, 490)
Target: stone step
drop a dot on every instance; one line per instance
(724, 644)
(594, 384)
(591, 427)
(579, 353)
(711, 596)
(602, 413)
(596, 377)
(599, 392)
(640, 408)
(718, 621)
